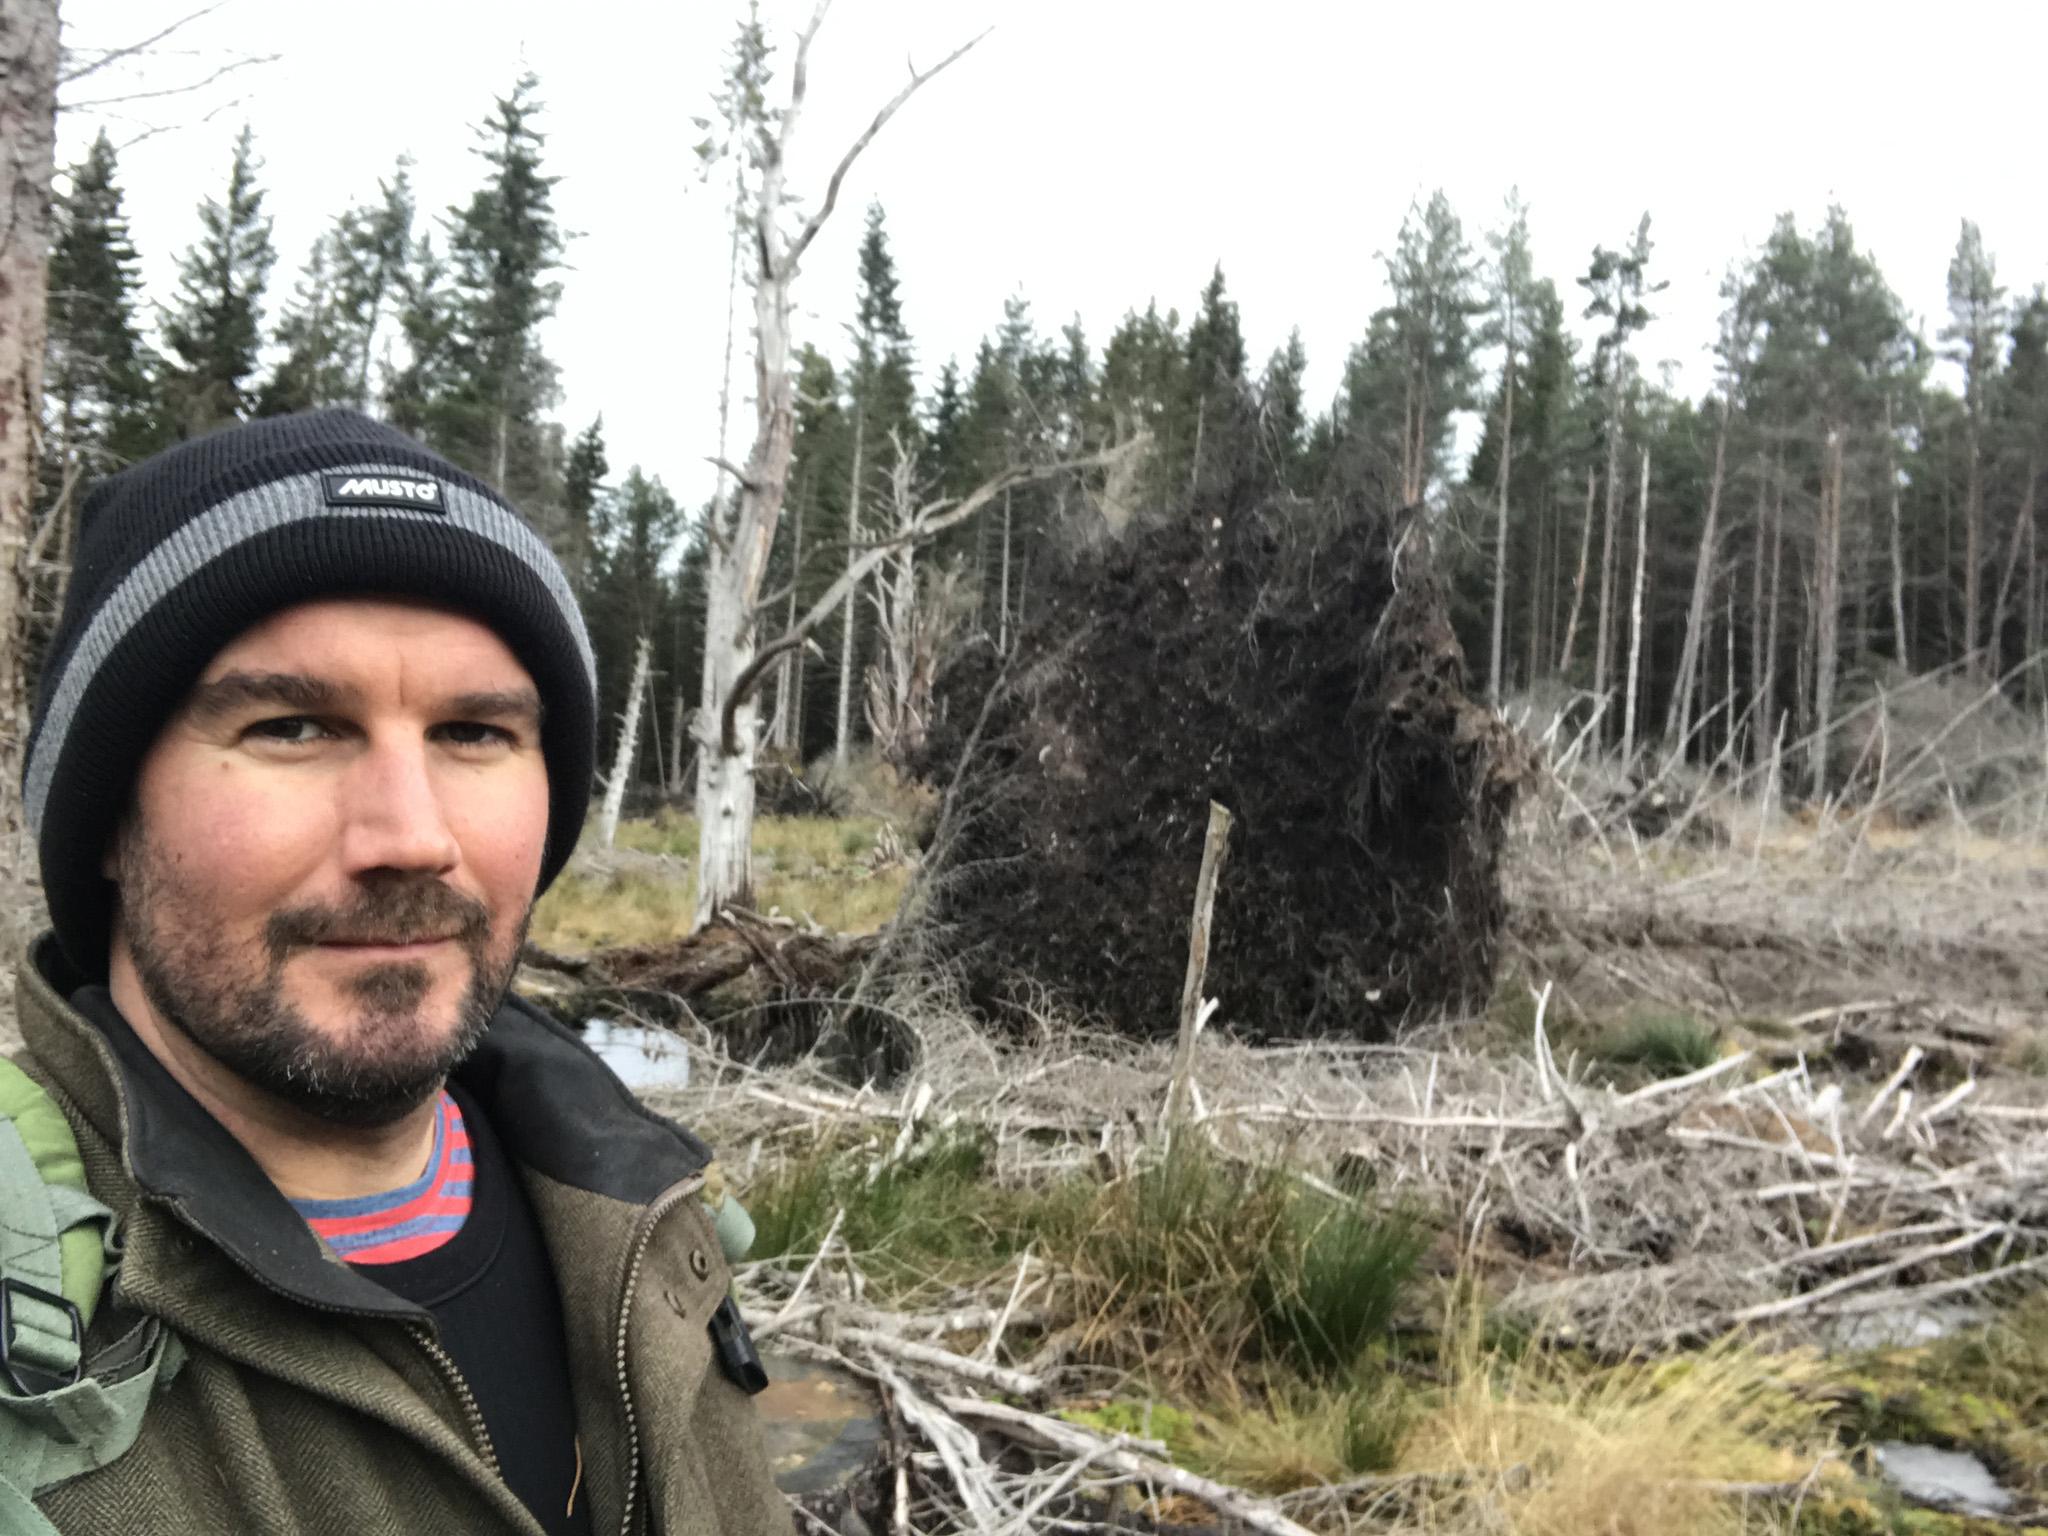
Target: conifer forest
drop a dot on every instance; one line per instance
(1450, 935)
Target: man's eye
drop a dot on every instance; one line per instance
(291, 729)
(473, 733)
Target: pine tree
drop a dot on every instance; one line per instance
(1976, 308)
(504, 247)
(97, 380)
(1414, 370)
(1283, 427)
(1215, 418)
(215, 329)
(582, 485)
(1616, 283)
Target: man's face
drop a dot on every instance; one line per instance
(328, 867)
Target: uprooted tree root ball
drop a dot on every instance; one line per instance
(1295, 663)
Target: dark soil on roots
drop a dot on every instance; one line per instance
(1294, 663)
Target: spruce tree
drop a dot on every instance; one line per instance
(215, 328)
(1215, 419)
(582, 485)
(1974, 333)
(1283, 424)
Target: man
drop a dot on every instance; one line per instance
(315, 730)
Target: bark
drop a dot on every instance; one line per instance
(28, 137)
(1677, 721)
(1571, 625)
(1635, 617)
(629, 744)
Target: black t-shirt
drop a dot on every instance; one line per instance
(491, 1289)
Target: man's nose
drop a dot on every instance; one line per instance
(393, 815)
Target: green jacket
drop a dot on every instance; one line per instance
(313, 1402)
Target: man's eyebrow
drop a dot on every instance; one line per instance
(235, 691)
(499, 704)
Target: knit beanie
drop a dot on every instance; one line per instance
(180, 554)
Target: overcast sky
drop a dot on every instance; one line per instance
(1095, 153)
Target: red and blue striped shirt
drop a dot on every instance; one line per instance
(413, 1219)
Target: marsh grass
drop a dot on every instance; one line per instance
(806, 867)
(1663, 1044)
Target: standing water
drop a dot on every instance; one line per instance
(642, 1057)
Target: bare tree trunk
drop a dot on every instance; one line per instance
(1571, 626)
(850, 615)
(1891, 476)
(1691, 656)
(679, 732)
(1973, 542)
(1827, 601)
(1767, 705)
(1635, 617)
(1603, 640)
(1500, 522)
(1003, 602)
(1760, 726)
(1540, 581)
(1995, 641)
(629, 744)
(2034, 689)
(28, 139)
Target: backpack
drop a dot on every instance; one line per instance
(62, 1414)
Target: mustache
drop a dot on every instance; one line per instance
(401, 912)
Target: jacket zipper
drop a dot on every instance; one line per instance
(452, 1375)
(642, 1239)
(443, 1363)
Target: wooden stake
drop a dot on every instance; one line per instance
(1192, 1013)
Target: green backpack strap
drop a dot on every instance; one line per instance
(60, 1414)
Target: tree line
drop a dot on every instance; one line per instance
(1715, 576)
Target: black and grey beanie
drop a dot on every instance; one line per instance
(183, 552)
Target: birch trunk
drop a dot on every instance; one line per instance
(1635, 617)
(1677, 719)
(28, 138)
(1571, 624)
(629, 744)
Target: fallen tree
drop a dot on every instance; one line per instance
(1295, 664)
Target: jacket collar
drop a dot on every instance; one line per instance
(557, 1109)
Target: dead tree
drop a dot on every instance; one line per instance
(1692, 658)
(917, 611)
(28, 142)
(742, 529)
(629, 746)
(1635, 618)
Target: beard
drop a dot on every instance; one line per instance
(388, 1057)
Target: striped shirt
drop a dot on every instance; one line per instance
(413, 1219)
